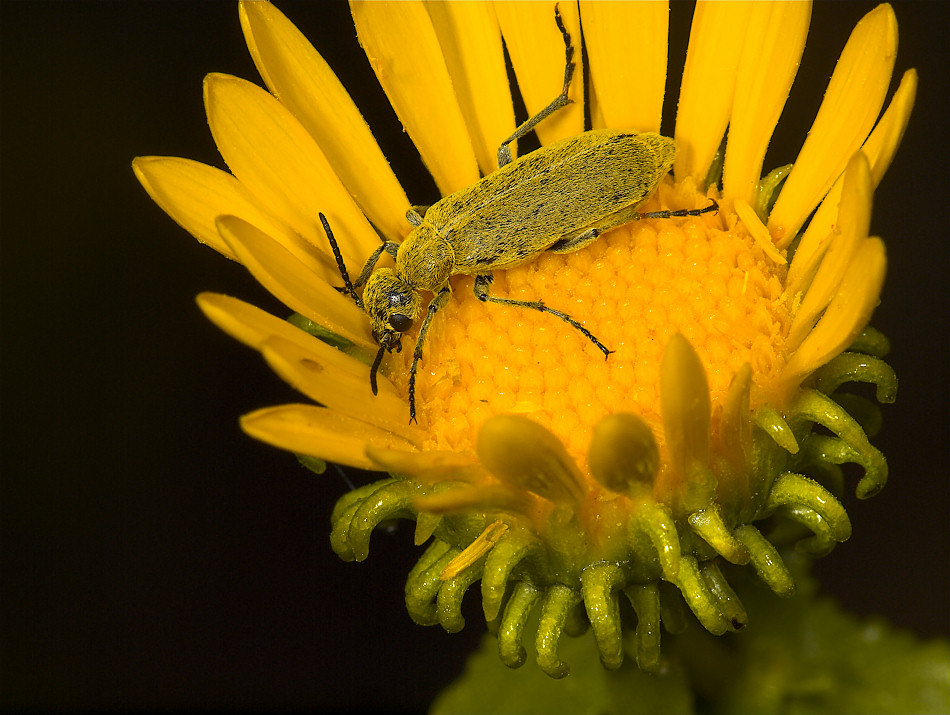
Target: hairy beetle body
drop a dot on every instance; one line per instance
(558, 198)
(544, 199)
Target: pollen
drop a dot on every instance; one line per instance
(634, 287)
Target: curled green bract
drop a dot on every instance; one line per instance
(541, 562)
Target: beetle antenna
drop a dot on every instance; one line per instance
(347, 284)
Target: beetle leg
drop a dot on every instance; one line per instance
(628, 214)
(562, 100)
(483, 284)
(389, 247)
(437, 303)
(375, 368)
(569, 245)
(714, 206)
(415, 213)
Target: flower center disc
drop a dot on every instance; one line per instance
(633, 288)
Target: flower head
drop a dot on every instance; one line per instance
(550, 474)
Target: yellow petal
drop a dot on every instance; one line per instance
(879, 148)
(758, 230)
(852, 102)
(248, 323)
(279, 162)
(404, 52)
(846, 316)
(686, 409)
(854, 220)
(525, 455)
(319, 432)
(629, 78)
(623, 453)
(296, 73)
(195, 194)
(771, 53)
(253, 327)
(340, 384)
(536, 48)
(735, 434)
(484, 499)
(335, 362)
(470, 39)
(716, 38)
(291, 283)
(429, 466)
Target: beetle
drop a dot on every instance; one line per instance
(557, 198)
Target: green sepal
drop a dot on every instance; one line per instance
(314, 464)
(768, 190)
(714, 175)
(871, 341)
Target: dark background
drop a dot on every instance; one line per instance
(152, 555)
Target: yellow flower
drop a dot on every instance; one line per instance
(550, 474)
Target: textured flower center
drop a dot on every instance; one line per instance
(633, 288)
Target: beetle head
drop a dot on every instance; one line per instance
(392, 306)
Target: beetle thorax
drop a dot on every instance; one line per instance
(425, 260)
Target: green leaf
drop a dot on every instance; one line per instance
(807, 656)
(488, 686)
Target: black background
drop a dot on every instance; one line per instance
(154, 556)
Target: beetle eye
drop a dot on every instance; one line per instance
(400, 322)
